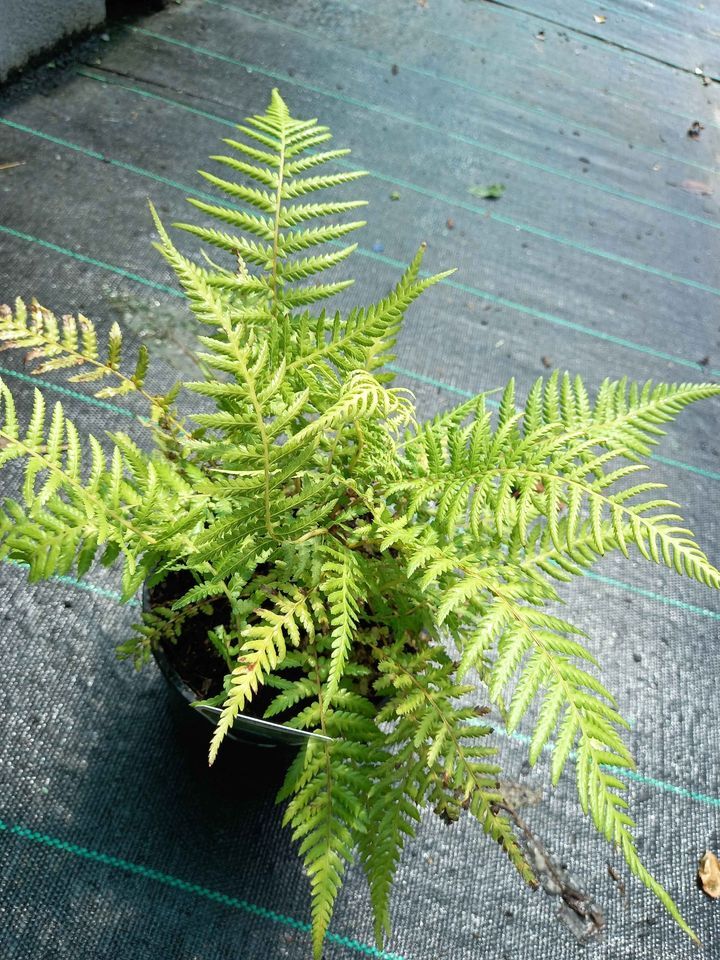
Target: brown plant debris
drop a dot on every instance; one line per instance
(578, 911)
(709, 874)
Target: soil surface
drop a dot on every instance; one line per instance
(192, 654)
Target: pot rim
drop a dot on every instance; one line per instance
(246, 728)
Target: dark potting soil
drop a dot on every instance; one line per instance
(192, 655)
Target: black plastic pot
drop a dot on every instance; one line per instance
(247, 729)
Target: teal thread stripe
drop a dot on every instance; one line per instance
(397, 264)
(543, 315)
(606, 255)
(609, 44)
(374, 57)
(66, 392)
(430, 127)
(128, 274)
(86, 151)
(401, 370)
(148, 95)
(663, 785)
(169, 880)
(651, 595)
(710, 474)
(431, 381)
(422, 378)
(79, 584)
(407, 185)
(539, 64)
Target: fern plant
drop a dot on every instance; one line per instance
(385, 580)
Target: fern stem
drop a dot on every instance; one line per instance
(266, 456)
(276, 225)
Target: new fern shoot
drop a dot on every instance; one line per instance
(386, 580)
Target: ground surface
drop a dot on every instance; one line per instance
(600, 257)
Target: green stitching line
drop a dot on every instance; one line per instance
(395, 263)
(168, 880)
(543, 315)
(374, 57)
(710, 474)
(422, 378)
(89, 75)
(581, 38)
(432, 194)
(641, 592)
(141, 171)
(78, 584)
(623, 772)
(430, 127)
(65, 391)
(91, 260)
(398, 264)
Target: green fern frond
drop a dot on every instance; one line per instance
(344, 587)
(264, 646)
(72, 342)
(278, 170)
(342, 545)
(327, 787)
(457, 772)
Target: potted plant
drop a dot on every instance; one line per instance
(374, 582)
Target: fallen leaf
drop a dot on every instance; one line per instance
(394, 69)
(394, 195)
(450, 223)
(491, 192)
(546, 362)
(15, 163)
(704, 361)
(599, 18)
(709, 874)
(695, 129)
(697, 187)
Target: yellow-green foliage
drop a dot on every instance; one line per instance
(352, 543)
